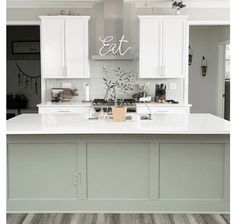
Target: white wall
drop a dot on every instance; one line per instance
(203, 90)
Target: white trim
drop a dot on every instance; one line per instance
(163, 16)
(48, 4)
(22, 23)
(65, 17)
(221, 87)
(208, 22)
(220, 99)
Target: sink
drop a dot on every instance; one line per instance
(145, 117)
(129, 117)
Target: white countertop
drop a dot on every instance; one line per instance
(79, 124)
(65, 104)
(80, 104)
(154, 104)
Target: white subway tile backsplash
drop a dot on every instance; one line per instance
(98, 88)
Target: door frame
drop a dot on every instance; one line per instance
(220, 100)
(22, 23)
(221, 78)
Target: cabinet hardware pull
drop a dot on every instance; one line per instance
(162, 71)
(77, 178)
(162, 111)
(64, 111)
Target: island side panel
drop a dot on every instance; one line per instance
(152, 173)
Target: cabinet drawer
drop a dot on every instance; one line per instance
(51, 110)
(158, 109)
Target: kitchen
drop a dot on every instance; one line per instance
(137, 75)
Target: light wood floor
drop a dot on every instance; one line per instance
(116, 219)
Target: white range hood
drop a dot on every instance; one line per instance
(113, 26)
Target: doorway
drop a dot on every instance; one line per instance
(204, 86)
(23, 69)
(224, 80)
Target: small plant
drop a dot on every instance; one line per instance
(177, 4)
(123, 79)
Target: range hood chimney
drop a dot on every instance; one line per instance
(113, 26)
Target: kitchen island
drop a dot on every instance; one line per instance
(67, 163)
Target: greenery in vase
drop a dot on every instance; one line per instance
(177, 4)
(124, 80)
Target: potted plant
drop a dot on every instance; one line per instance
(177, 6)
(123, 82)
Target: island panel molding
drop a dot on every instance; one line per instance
(133, 166)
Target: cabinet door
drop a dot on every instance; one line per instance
(174, 48)
(64, 109)
(42, 171)
(150, 48)
(192, 171)
(110, 174)
(52, 48)
(76, 45)
(162, 109)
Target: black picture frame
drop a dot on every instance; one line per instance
(25, 47)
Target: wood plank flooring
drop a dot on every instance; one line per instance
(74, 218)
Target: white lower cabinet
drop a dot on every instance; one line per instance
(141, 109)
(63, 109)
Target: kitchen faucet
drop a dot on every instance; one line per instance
(149, 115)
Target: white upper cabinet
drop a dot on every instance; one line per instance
(52, 48)
(64, 47)
(163, 46)
(150, 48)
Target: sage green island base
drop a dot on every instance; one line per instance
(118, 173)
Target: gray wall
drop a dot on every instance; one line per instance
(203, 90)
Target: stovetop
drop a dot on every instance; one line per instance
(104, 103)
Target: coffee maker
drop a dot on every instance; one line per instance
(56, 94)
(160, 93)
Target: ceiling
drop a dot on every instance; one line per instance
(89, 3)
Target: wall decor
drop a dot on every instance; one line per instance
(190, 55)
(28, 81)
(109, 47)
(204, 66)
(25, 47)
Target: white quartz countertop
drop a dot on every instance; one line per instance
(65, 104)
(154, 104)
(81, 104)
(79, 124)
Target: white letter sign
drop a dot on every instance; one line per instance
(112, 48)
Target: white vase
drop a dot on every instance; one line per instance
(177, 11)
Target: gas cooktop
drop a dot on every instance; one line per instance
(124, 102)
(106, 105)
